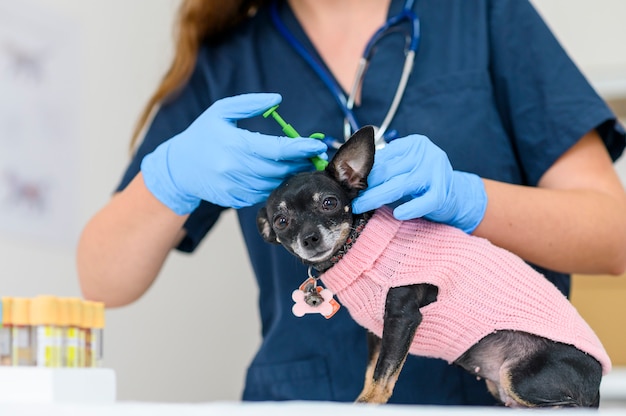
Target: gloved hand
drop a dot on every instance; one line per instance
(220, 163)
(416, 168)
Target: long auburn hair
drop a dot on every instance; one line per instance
(197, 21)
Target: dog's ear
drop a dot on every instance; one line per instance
(354, 160)
(264, 226)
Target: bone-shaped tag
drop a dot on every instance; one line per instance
(310, 298)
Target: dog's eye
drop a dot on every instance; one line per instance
(330, 203)
(281, 222)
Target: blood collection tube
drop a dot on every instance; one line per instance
(63, 321)
(73, 349)
(45, 329)
(5, 331)
(97, 335)
(22, 341)
(87, 325)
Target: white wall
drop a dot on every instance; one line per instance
(192, 335)
(175, 342)
(593, 33)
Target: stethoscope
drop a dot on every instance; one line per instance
(346, 104)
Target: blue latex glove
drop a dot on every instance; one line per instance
(416, 168)
(220, 163)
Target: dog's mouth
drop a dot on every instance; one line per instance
(328, 243)
(320, 256)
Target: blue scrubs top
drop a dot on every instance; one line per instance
(491, 86)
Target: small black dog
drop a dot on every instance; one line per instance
(310, 215)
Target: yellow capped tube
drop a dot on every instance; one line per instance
(74, 342)
(97, 335)
(22, 341)
(63, 323)
(44, 316)
(5, 331)
(86, 327)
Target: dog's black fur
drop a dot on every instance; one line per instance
(310, 215)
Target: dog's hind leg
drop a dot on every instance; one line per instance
(373, 349)
(401, 319)
(561, 376)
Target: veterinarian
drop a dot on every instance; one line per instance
(497, 133)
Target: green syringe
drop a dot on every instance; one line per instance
(318, 162)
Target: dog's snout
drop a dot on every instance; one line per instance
(311, 239)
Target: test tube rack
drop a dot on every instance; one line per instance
(57, 385)
(51, 351)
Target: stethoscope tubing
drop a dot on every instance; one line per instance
(411, 51)
(325, 77)
(347, 104)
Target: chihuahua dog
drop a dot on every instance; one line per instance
(430, 289)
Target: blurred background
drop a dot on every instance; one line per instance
(76, 75)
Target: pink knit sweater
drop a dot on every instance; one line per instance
(482, 288)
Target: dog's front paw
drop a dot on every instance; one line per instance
(375, 394)
(362, 399)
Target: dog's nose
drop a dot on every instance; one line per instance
(311, 239)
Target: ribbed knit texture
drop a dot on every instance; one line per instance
(482, 288)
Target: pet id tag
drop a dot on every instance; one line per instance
(311, 298)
